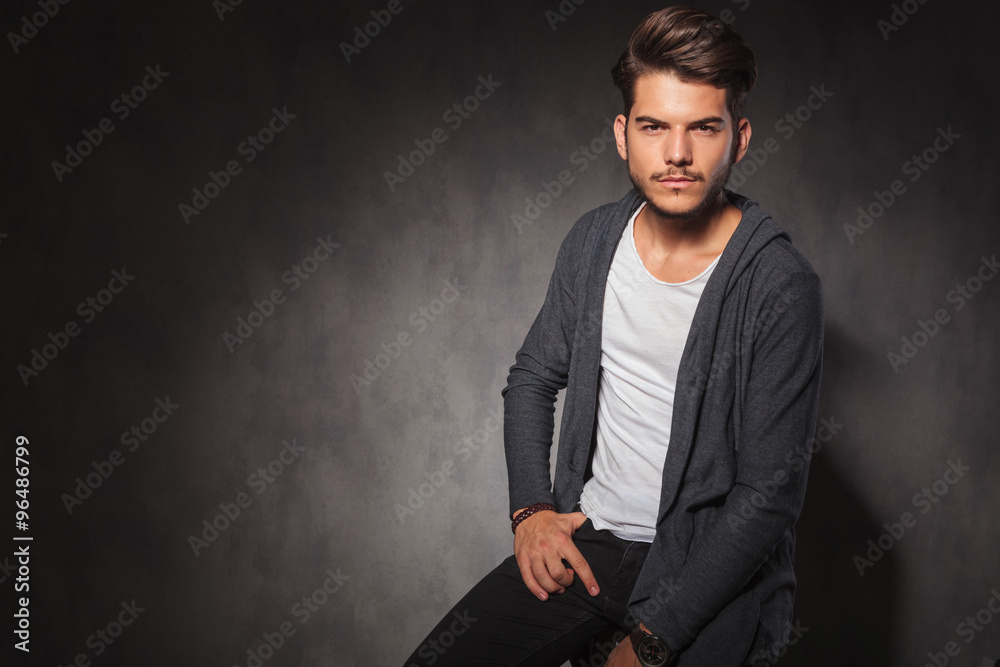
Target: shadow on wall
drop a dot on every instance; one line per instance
(847, 614)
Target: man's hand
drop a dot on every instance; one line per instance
(623, 655)
(541, 542)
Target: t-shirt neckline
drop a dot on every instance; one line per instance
(630, 231)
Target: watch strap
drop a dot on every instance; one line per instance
(644, 642)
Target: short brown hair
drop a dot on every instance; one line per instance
(693, 45)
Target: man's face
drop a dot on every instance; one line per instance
(679, 143)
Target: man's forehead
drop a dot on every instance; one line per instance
(665, 93)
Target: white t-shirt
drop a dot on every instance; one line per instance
(645, 325)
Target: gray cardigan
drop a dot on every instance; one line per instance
(718, 583)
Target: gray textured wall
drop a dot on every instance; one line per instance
(326, 513)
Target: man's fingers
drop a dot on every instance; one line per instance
(579, 563)
(567, 579)
(543, 577)
(548, 559)
(524, 564)
(569, 576)
(558, 572)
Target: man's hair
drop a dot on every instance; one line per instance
(693, 45)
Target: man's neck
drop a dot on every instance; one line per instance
(675, 250)
(706, 234)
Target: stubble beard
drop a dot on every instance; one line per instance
(712, 191)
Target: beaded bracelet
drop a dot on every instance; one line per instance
(528, 511)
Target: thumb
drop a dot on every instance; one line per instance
(578, 519)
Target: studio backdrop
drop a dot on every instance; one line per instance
(266, 266)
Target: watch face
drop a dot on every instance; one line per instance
(652, 652)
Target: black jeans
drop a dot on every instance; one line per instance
(501, 622)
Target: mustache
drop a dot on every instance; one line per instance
(659, 176)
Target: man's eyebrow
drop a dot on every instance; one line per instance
(708, 120)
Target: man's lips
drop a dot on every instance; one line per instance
(676, 181)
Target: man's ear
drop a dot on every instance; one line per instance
(620, 141)
(743, 133)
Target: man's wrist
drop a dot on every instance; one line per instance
(528, 511)
(650, 650)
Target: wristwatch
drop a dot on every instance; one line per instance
(650, 649)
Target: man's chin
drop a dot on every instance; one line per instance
(670, 207)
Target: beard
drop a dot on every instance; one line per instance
(712, 189)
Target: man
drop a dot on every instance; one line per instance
(688, 334)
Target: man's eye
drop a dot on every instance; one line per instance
(651, 127)
(707, 128)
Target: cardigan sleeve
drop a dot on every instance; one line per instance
(540, 371)
(781, 403)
